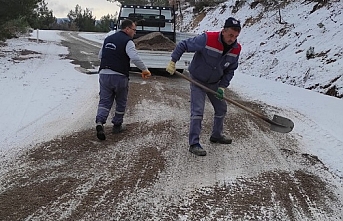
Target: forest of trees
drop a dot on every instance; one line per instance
(20, 16)
(167, 2)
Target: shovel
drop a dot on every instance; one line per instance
(278, 123)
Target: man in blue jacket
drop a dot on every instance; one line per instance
(213, 65)
(116, 53)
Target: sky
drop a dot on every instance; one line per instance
(99, 8)
(42, 95)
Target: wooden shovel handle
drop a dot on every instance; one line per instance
(227, 99)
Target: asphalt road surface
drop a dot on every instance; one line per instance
(147, 173)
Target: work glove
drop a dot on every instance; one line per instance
(171, 68)
(220, 93)
(146, 74)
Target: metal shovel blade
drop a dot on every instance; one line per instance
(278, 124)
(281, 124)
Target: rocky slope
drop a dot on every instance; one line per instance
(276, 40)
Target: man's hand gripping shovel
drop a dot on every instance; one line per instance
(278, 123)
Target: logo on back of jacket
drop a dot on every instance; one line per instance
(111, 46)
(227, 64)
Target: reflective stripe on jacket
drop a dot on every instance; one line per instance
(209, 65)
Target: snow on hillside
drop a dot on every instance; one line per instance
(277, 51)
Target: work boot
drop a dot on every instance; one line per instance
(221, 140)
(197, 150)
(116, 129)
(100, 133)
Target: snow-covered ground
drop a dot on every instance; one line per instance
(278, 51)
(42, 96)
(40, 93)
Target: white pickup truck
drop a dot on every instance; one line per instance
(149, 19)
(154, 19)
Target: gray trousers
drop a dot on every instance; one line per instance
(113, 87)
(198, 96)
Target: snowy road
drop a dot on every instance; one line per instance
(147, 173)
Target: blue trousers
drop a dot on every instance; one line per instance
(113, 87)
(198, 96)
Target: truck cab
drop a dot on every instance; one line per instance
(149, 19)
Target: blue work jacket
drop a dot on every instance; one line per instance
(209, 65)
